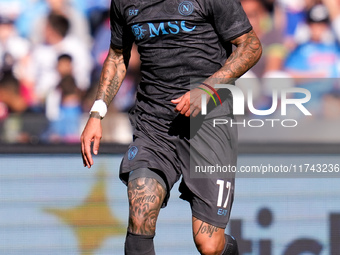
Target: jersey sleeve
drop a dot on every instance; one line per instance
(229, 18)
(120, 35)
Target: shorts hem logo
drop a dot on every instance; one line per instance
(186, 8)
(132, 152)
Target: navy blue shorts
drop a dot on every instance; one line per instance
(177, 148)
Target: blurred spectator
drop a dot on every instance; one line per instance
(333, 7)
(87, 6)
(90, 5)
(95, 10)
(12, 44)
(293, 14)
(317, 58)
(100, 46)
(13, 8)
(45, 57)
(10, 93)
(13, 103)
(65, 128)
(271, 38)
(18, 50)
(64, 68)
(79, 26)
(30, 12)
(65, 65)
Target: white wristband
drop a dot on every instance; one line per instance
(100, 107)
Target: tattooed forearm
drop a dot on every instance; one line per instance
(112, 75)
(146, 196)
(245, 56)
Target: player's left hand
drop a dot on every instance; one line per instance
(189, 103)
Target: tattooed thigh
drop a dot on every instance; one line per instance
(203, 228)
(146, 196)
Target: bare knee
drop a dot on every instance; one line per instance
(210, 247)
(146, 196)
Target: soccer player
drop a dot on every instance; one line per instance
(177, 41)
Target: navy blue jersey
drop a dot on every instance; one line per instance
(177, 40)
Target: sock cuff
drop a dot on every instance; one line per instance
(230, 247)
(140, 235)
(136, 244)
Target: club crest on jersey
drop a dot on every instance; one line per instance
(186, 8)
(132, 152)
(138, 31)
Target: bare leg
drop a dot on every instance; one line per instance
(209, 239)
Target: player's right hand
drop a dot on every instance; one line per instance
(189, 103)
(92, 133)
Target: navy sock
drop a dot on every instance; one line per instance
(139, 244)
(230, 247)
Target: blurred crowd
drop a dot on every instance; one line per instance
(51, 53)
(300, 40)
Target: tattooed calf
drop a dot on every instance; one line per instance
(145, 199)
